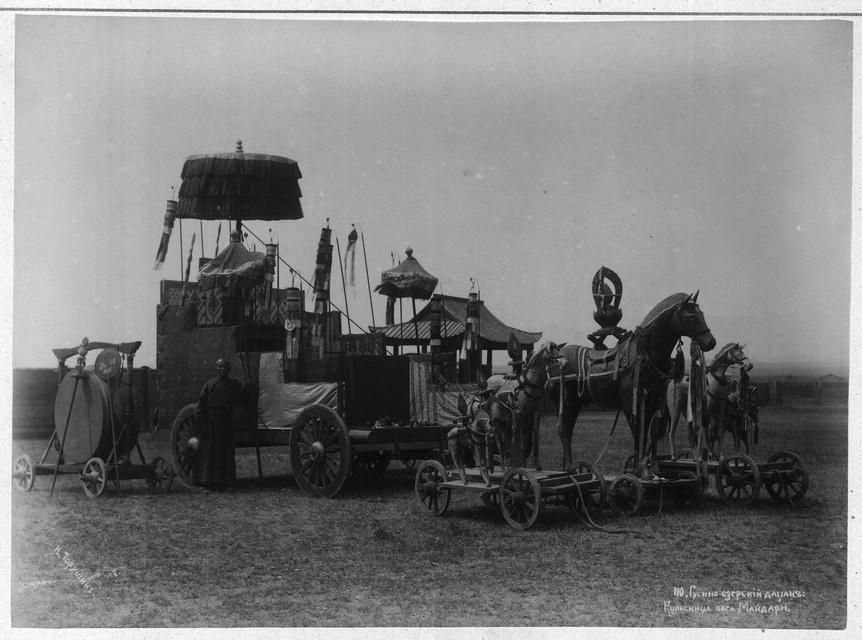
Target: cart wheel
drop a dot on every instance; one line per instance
(626, 495)
(320, 452)
(788, 484)
(593, 498)
(691, 494)
(23, 473)
(430, 475)
(520, 498)
(370, 464)
(94, 477)
(737, 480)
(182, 453)
(163, 476)
(491, 499)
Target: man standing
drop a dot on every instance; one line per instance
(215, 466)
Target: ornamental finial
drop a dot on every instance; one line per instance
(239, 146)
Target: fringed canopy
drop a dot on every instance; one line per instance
(407, 280)
(240, 186)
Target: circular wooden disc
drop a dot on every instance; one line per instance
(85, 406)
(108, 363)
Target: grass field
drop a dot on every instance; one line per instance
(266, 555)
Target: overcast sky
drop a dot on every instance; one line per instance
(685, 155)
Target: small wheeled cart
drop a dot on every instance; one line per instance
(518, 492)
(738, 479)
(628, 492)
(95, 425)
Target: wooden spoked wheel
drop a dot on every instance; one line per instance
(737, 480)
(626, 495)
(433, 498)
(163, 476)
(94, 477)
(690, 494)
(593, 498)
(23, 473)
(520, 498)
(790, 483)
(182, 453)
(320, 454)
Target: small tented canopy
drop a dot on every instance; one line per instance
(234, 267)
(407, 280)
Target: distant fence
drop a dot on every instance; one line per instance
(793, 390)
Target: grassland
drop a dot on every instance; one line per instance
(266, 555)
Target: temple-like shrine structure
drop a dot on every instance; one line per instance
(449, 325)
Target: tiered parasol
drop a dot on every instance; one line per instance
(240, 186)
(408, 279)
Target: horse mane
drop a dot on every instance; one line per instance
(671, 302)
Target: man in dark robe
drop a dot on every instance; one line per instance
(215, 466)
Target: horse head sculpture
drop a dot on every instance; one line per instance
(688, 321)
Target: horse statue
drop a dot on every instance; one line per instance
(504, 415)
(718, 391)
(631, 376)
(741, 416)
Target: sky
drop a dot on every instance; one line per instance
(514, 156)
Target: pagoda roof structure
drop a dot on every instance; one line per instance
(493, 333)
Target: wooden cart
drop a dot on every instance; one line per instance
(95, 425)
(520, 493)
(329, 443)
(737, 477)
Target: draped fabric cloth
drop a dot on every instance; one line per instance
(697, 402)
(215, 463)
(234, 267)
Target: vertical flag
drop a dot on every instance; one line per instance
(170, 216)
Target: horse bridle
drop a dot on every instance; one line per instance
(713, 367)
(524, 383)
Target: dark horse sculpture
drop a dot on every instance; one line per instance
(631, 376)
(504, 417)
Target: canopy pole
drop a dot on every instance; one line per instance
(367, 277)
(415, 323)
(343, 284)
(181, 248)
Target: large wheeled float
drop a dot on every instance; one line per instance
(344, 402)
(346, 434)
(95, 425)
